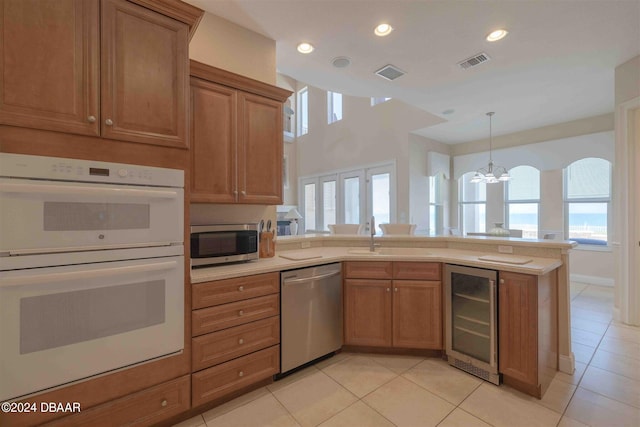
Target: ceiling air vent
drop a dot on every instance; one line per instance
(474, 60)
(390, 72)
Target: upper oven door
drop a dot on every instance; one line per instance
(49, 216)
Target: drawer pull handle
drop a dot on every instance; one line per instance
(240, 341)
(240, 288)
(241, 374)
(240, 312)
(163, 403)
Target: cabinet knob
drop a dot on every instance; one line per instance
(388, 289)
(108, 122)
(244, 193)
(395, 289)
(240, 288)
(240, 312)
(91, 119)
(163, 403)
(241, 374)
(502, 281)
(241, 341)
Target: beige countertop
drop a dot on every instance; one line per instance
(323, 255)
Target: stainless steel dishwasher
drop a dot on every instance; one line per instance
(311, 314)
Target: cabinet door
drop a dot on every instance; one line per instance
(49, 65)
(213, 143)
(417, 314)
(145, 75)
(259, 150)
(367, 312)
(517, 320)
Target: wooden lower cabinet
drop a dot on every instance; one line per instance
(144, 408)
(393, 313)
(417, 314)
(367, 312)
(527, 323)
(235, 333)
(223, 379)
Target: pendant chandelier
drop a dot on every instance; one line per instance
(492, 173)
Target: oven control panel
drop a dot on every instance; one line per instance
(40, 167)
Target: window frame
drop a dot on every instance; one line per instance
(331, 106)
(303, 111)
(508, 202)
(462, 203)
(585, 200)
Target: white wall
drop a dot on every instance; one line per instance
(365, 135)
(223, 44)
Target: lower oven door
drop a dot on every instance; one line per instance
(61, 324)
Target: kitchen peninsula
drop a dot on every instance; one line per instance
(524, 264)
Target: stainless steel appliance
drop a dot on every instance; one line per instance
(311, 314)
(471, 320)
(91, 269)
(218, 244)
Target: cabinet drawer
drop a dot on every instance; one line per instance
(228, 377)
(224, 291)
(368, 270)
(233, 314)
(144, 408)
(222, 346)
(416, 270)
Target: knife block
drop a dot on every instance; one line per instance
(267, 244)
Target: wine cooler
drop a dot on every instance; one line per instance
(471, 320)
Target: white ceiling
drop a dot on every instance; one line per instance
(557, 63)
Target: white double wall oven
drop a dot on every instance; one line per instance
(91, 269)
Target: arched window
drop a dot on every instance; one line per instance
(587, 197)
(522, 200)
(472, 198)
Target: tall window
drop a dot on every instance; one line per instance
(379, 100)
(436, 205)
(351, 198)
(587, 196)
(328, 203)
(473, 205)
(309, 207)
(522, 200)
(334, 107)
(303, 111)
(380, 197)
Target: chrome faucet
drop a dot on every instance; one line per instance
(372, 229)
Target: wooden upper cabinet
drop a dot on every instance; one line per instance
(213, 147)
(105, 68)
(145, 72)
(236, 138)
(49, 65)
(260, 150)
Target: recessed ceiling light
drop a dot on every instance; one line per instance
(305, 48)
(497, 35)
(383, 30)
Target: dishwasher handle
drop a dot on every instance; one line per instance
(312, 278)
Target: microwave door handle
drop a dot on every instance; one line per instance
(88, 274)
(7, 187)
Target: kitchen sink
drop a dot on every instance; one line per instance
(363, 252)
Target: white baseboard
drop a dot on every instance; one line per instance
(592, 280)
(566, 363)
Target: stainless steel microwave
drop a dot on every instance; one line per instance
(219, 244)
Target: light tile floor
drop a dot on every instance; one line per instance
(362, 390)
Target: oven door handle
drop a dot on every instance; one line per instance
(9, 187)
(88, 274)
